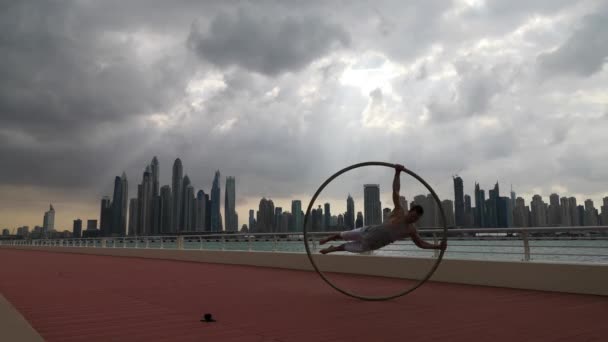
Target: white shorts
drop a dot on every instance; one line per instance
(357, 244)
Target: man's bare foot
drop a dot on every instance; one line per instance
(328, 250)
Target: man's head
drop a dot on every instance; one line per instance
(415, 213)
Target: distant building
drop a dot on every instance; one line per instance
(91, 224)
(105, 216)
(565, 212)
(521, 213)
(479, 212)
(386, 213)
(468, 211)
(538, 212)
(590, 218)
(327, 217)
(251, 227)
(554, 216)
(298, 218)
(216, 221)
(48, 223)
(77, 228)
(232, 220)
(265, 220)
(448, 209)
(459, 201)
(177, 194)
(133, 210)
(199, 212)
(166, 220)
(349, 218)
(6, 232)
(604, 213)
(359, 221)
(371, 204)
(574, 215)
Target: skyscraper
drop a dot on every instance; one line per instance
(215, 204)
(296, 211)
(77, 228)
(538, 212)
(574, 215)
(468, 211)
(459, 201)
(480, 212)
(349, 218)
(492, 207)
(327, 217)
(105, 217)
(554, 214)
(604, 212)
(371, 204)
(156, 216)
(199, 215)
(359, 221)
(144, 207)
(207, 213)
(177, 194)
(118, 211)
(133, 210)
(521, 213)
(278, 214)
(188, 224)
(265, 222)
(154, 170)
(386, 213)
(565, 212)
(125, 204)
(186, 207)
(166, 222)
(448, 209)
(230, 214)
(252, 220)
(590, 214)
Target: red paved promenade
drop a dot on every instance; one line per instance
(69, 297)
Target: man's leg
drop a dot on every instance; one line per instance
(352, 247)
(349, 235)
(329, 238)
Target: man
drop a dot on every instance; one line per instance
(399, 226)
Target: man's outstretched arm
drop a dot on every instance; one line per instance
(423, 244)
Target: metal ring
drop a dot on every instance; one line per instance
(374, 298)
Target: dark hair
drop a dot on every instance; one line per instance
(418, 209)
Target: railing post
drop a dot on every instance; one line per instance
(147, 242)
(162, 243)
(180, 242)
(249, 242)
(200, 241)
(104, 243)
(223, 243)
(274, 243)
(435, 251)
(524, 237)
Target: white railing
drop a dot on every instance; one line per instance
(567, 244)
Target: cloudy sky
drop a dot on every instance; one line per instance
(282, 95)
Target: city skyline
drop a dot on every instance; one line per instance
(339, 207)
(487, 90)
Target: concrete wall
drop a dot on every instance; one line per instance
(572, 278)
